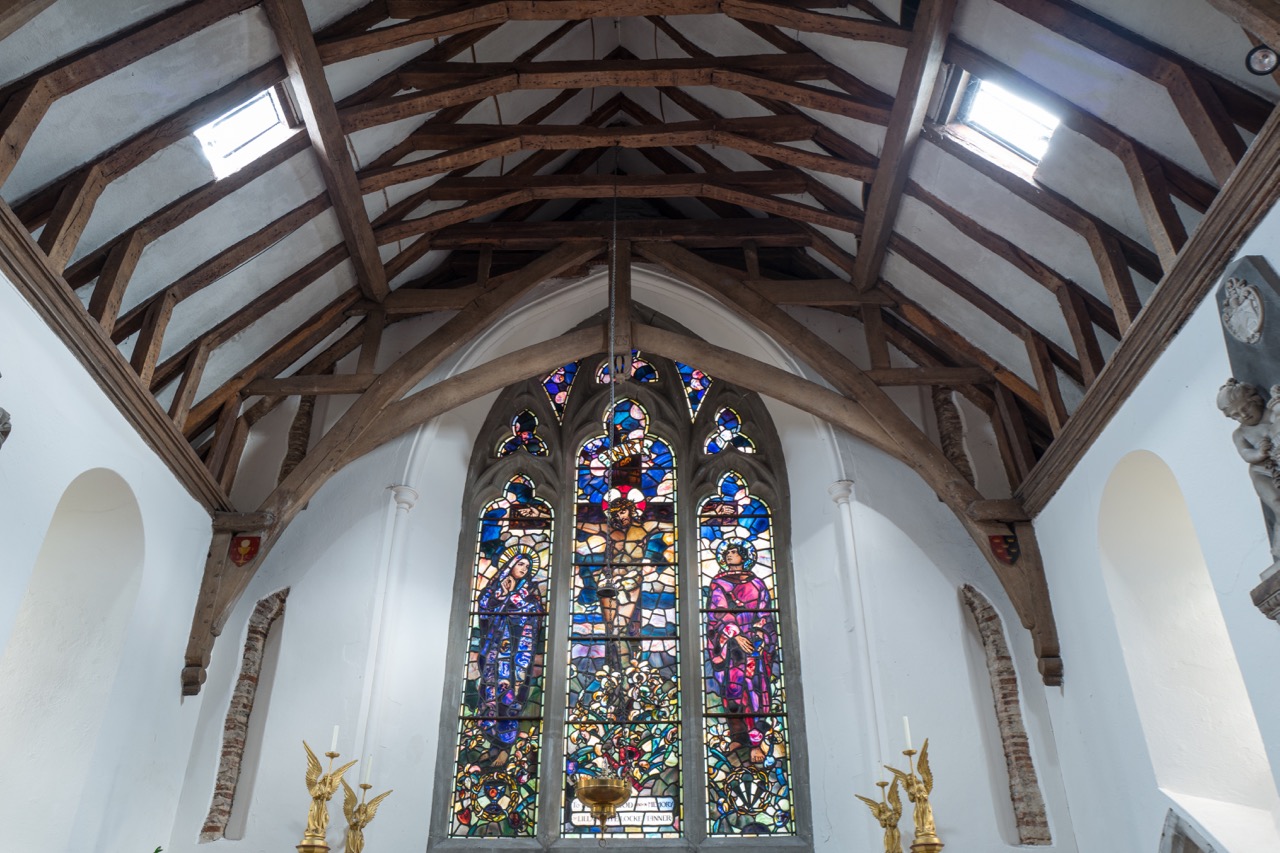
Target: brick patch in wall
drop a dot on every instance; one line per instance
(1024, 787)
(236, 727)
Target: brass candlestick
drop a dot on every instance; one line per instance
(887, 812)
(321, 786)
(359, 814)
(918, 788)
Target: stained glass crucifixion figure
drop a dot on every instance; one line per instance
(624, 710)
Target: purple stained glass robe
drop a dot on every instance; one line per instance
(742, 678)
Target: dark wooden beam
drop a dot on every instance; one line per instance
(30, 97)
(440, 20)
(320, 113)
(915, 89)
(448, 87)
(26, 268)
(1260, 17)
(15, 13)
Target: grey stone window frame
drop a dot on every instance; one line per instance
(554, 476)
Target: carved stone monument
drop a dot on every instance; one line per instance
(1248, 297)
(6, 427)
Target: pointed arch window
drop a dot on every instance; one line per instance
(651, 645)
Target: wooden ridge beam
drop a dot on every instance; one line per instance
(915, 90)
(778, 181)
(442, 20)
(25, 266)
(320, 114)
(733, 73)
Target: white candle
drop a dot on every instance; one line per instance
(906, 730)
(333, 747)
(368, 768)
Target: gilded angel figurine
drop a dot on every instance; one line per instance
(359, 815)
(321, 786)
(888, 814)
(919, 786)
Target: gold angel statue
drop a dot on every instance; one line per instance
(919, 786)
(321, 786)
(888, 812)
(359, 815)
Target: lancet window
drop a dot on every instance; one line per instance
(646, 639)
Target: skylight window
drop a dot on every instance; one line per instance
(237, 138)
(1014, 122)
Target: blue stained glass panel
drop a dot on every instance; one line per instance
(727, 434)
(557, 384)
(524, 436)
(696, 384)
(641, 370)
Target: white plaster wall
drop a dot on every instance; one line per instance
(1114, 800)
(913, 552)
(64, 426)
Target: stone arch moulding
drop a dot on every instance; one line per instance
(236, 729)
(857, 405)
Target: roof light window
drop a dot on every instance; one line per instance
(1014, 122)
(236, 138)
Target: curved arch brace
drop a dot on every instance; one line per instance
(863, 414)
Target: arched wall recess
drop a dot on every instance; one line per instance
(1201, 733)
(65, 649)
(856, 405)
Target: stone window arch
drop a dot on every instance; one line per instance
(704, 769)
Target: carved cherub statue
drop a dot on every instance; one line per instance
(6, 426)
(1255, 441)
(888, 814)
(359, 815)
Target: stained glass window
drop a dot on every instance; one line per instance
(641, 370)
(557, 384)
(745, 708)
(728, 434)
(624, 677)
(696, 384)
(495, 786)
(689, 706)
(524, 436)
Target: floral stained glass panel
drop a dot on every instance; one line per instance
(745, 709)
(624, 705)
(495, 786)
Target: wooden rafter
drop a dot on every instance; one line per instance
(434, 23)
(320, 113)
(1260, 17)
(915, 89)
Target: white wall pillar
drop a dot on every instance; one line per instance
(389, 583)
(858, 625)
